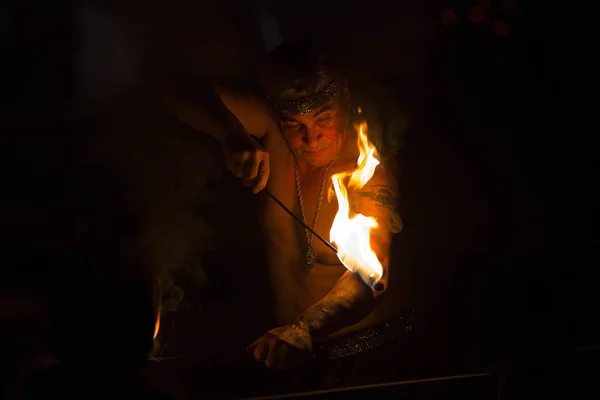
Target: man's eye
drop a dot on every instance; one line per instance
(292, 126)
(324, 120)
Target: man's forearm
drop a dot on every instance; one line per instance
(203, 111)
(346, 304)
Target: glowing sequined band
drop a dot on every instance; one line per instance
(306, 104)
(367, 339)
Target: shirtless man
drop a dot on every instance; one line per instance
(307, 135)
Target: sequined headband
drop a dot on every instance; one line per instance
(307, 104)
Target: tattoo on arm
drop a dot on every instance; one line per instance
(383, 195)
(347, 303)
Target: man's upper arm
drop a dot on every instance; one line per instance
(249, 109)
(379, 199)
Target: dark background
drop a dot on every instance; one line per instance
(499, 172)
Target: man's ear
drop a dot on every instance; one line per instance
(346, 93)
(348, 99)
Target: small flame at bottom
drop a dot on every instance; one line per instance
(156, 325)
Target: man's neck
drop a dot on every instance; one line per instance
(305, 169)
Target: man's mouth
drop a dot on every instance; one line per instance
(314, 152)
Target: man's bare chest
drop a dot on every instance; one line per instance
(310, 204)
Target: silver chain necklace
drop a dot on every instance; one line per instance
(311, 256)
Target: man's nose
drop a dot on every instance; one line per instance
(312, 137)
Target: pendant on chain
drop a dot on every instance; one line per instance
(311, 257)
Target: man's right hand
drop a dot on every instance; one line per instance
(247, 160)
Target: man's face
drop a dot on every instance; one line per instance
(316, 138)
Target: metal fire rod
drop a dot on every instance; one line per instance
(287, 210)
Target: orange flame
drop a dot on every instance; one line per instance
(156, 325)
(351, 232)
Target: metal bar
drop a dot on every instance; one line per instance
(380, 385)
(287, 210)
(200, 355)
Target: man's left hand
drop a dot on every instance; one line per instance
(278, 354)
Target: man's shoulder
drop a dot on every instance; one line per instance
(383, 179)
(381, 188)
